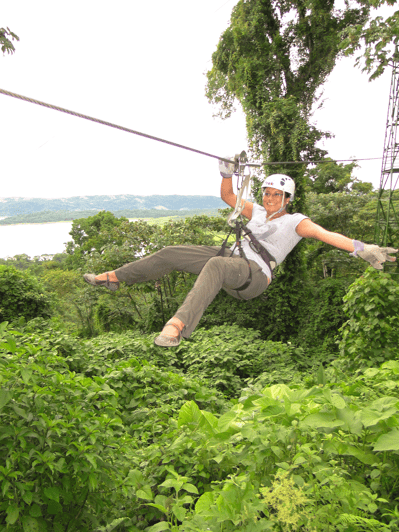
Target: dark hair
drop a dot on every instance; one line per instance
(287, 195)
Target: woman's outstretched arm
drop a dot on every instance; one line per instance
(373, 254)
(308, 229)
(228, 196)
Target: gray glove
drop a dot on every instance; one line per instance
(373, 254)
(226, 169)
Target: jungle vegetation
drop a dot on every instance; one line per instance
(279, 414)
(251, 424)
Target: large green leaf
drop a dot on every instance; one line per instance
(163, 525)
(364, 457)
(54, 508)
(225, 421)
(35, 511)
(189, 414)
(338, 401)
(179, 511)
(145, 493)
(277, 391)
(172, 483)
(190, 488)
(388, 441)
(30, 524)
(12, 514)
(159, 507)
(26, 375)
(204, 502)
(209, 422)
(134, 478)
(322, 420)
(52, 493)
(351, 420)
(5, 396)
(370, 417)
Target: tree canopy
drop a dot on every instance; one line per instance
(378, 35)
(330, 176)
(273, 59)
(6, 38)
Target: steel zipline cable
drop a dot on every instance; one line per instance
(151, 137)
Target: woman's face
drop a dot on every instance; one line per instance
(272, 199)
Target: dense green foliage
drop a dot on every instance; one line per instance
(375, 38)
(278, 414)
(274, 69)
(251, 424)
(114, 433)
(21, 296)
(372, 331)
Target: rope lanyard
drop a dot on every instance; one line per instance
(158, 139)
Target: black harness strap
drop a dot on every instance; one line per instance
(258, 248)
(237, 229)
(221, 251)
(255, 245)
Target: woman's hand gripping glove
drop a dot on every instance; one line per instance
(373, 254)
(227, 169)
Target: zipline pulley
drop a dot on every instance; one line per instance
(243, 173)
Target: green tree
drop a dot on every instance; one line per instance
(330, 176)
(21, 295)
(6, 38)
(371, 334)
(379, 36)
(273, 59)
(92, 234)
(74, 300)
(348, 213)
(274, 68)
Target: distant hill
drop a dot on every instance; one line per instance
(125, 202)
(68, 216)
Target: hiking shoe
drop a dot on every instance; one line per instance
(91, 279)
(166, 340)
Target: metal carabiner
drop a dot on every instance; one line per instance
(240, 161)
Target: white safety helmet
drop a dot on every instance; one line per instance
(280, 182)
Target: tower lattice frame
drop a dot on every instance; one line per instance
(386, 231)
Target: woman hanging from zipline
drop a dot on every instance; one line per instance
(244, 273)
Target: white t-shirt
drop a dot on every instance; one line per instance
(277, 236)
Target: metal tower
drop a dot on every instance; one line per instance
(386, 231)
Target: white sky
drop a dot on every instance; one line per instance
(141, 65)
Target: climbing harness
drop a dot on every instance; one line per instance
(237, 225)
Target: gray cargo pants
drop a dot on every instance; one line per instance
(213, 272)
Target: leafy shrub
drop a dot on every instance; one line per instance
(371, 334)
(62, 444)
(110, 317)
(145, 392)
(142, 447)
(328, 454)
(321, 316)
(228, 356)
(21, 295)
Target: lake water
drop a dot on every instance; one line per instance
(34, 239)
